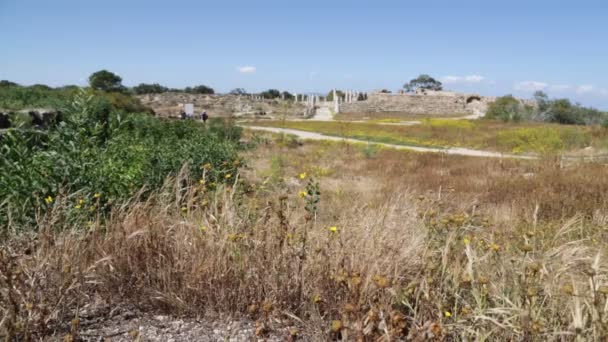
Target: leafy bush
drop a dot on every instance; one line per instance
(561, 111)
(39, 96)
(271, 94)
(17, 97)
(144, 88)
(96, 150)
(508, 108)
(200, 89)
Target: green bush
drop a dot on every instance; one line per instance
(508, 108)
(154, 88)
(98, 150)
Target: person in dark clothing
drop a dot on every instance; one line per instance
(205, 117)
(183, 115)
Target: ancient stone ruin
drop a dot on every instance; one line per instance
(421, 103)
(171, 104)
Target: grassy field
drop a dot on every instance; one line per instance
(389, 116)
(481, 134)
(334, 240)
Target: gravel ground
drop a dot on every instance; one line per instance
(135, 326)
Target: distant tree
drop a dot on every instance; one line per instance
(385, 91)
(330, 95)
(69, 87)
(6, 83)
(200, 89)
(238, 91)
(271, 94)
(287, 95)
(40, 87)
(106, 81)
(542, 101)
(144, 88)
(362, 97)
(423, 82)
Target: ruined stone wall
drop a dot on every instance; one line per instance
(431, 104)
(170, 105)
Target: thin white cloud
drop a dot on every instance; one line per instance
(530, 86)
(462, 79)
(247, 69)
(585, 89)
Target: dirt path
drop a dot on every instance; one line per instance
(449, 150)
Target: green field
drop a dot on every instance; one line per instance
(481, 134)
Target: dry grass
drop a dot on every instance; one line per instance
(425, 247)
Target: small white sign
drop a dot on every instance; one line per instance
(189, 109)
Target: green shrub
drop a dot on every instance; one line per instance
(508, 108)
(98, 150)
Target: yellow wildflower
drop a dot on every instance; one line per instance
(77, 206)
(316, 299)
(447, 314)
(92, 208)
(81, 201)
(302, 194)
(203, 228)
(495, 247)
(184, 209)
(48, 200)
(336, 326)
(201, 182)
(333, 229)
(302, 175)
(97, 195)
(466, 241)
(228, 176)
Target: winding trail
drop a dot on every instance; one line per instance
(461, 151)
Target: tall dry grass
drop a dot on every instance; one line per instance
(403, 263)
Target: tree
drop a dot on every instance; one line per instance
(6, 83)
(154, 88)
(287, 95)
(423, 82)
(542, 101)
(271, 94)
(106, 81)
(385, 91)
(200, 89)
(330, 95)
(238, 91)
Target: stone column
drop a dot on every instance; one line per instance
(336, 102)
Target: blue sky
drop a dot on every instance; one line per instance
(490, 47)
